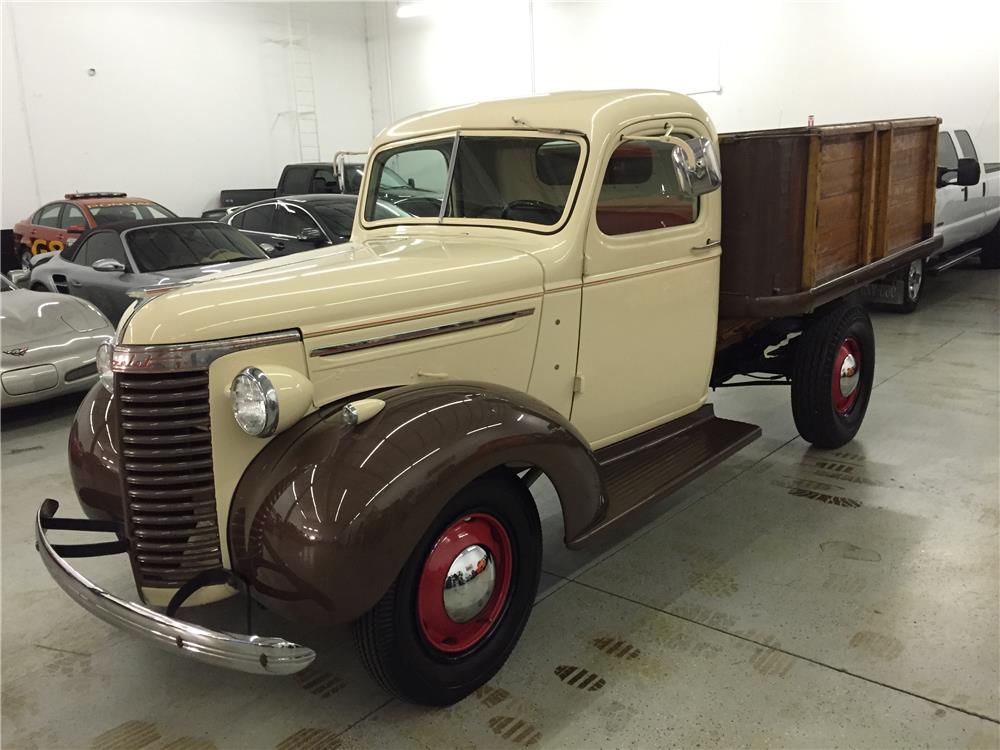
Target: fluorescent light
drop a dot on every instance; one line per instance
(413, 9)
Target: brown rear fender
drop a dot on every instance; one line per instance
(327, 514)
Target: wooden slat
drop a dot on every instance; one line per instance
(811, 214)
(868, 196)
(930, 182)
(882, 182)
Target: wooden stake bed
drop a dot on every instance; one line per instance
(814, 212)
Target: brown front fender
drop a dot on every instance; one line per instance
(325, 517)
(93, 456)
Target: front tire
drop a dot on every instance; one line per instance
(832, 376)
(457, 608)
(989, 256)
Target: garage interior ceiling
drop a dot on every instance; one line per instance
(190, 98)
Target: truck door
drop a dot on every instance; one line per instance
(650, 290)
(975, 195)
(955, 217)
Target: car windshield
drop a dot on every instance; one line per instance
(165, 246)
(109, 214)
(339, 215)
(525, 179)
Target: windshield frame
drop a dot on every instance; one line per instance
(455, 135)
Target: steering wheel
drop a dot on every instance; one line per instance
(531, 205)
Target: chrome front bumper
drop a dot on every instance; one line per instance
(245, 653)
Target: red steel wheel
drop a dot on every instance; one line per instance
(832, 375)
(452, 616)
(465, 583)
(846, 375)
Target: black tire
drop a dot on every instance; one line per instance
(989, 256)
(913, 284)
(816, 413)
(391, 641)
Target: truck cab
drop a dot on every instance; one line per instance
(967, 209)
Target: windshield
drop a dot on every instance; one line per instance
(165, 246)
(507, 178)
(109, 214)
(338, 216)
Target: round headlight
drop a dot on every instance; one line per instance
(104, 373)
(255, 403)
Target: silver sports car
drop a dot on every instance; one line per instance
(49, 344)
(108, 262)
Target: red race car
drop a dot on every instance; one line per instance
(55, 226)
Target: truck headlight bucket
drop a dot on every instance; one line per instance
(255, 403)
(104, 371)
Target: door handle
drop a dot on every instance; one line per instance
(966, 191)
(984, 189)
(74, 282)
(706, 246)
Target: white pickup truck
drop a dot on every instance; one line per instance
(967, 217)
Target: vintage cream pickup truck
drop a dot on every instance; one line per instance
(350, 434)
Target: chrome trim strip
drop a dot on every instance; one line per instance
(194, 356)
(244, 653)
(420, 333)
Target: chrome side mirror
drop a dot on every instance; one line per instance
(697, 166)
(108, 265)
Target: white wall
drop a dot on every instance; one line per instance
(188, 98)
(764, 64)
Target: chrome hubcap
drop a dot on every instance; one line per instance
(914, 278)
(848, 376)
(469, 584)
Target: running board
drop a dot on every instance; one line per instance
(954, 260)
(658, 462)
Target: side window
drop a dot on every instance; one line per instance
(72, 216)
(965, 143)
(947, 156)
(640, 191)
(259, 219)
(291, 221)
(100, 246)
(49, 216)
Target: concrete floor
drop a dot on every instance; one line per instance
(789, 598)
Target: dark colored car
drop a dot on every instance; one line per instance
(107, 263)
(56, 226)
(294, 223)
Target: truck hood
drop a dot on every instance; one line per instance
(353, 284)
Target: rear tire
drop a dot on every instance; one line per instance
(409, 642)
(913, 284)
(832, 376)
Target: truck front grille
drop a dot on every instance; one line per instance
(169, 487)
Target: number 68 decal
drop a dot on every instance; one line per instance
(40, 246)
